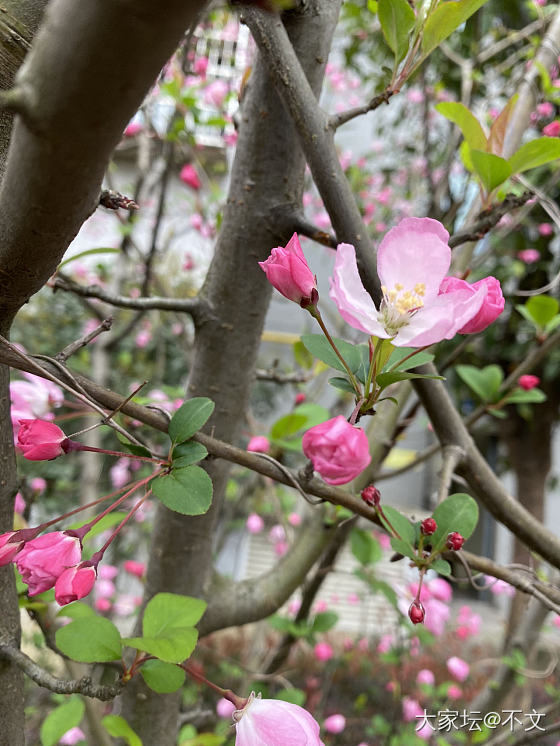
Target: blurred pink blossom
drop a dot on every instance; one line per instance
(225, 708)
(254, 523)
(425, 676)
(411, 709)
(458, 668)
(294, 519)
(335, 724)
(38, 484)
(259, 444)
(323, 651)
(529, 256)
(546, 229)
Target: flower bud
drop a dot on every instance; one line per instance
(528, 382)
(416, 612)
(428, 526)
(287, 270)
(371, 495)
(338, 450)
(454, 541)
(41, 441)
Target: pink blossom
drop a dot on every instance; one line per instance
(103, 604)
(38, 484)
(281, 548)
(230, 138)
(72, 737)
(499, 587)
(74, 583)
(426, 731)
(132, 128)
(454, 692)
(105, 588)
(338, 450)
(277, 533)
(190, 177)
(335, 723)
(215, 93)
(275, 723)
(108, 572)
(546, 229)
(42, 560)
(425, 676)
(294, 519)
(39, 440)
(9, 547)
(385, 643)
(294, 606)
(135, 568)
(188, 263)
(545, 109)
(300, 398)
(437, 615)
(323, 651)
(320, 606)
(119, 473)
(528, 382)
(458, 668)
(19, 504)
(412, 261)
(143, 338)
(552, 129)
(529, 256)
(225, 708)
(200, 66)
(287, 270)
(411, 709)
(353, 599)
(440, 589)
(492, 306)
(254, 524)
(259, 444)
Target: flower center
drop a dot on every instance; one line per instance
(398, 305)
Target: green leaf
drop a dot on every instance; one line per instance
(442, 566)
(491, 169)
(466, 121)
(172, 647)
(163, 678)
(132, 447)
(540, 309)
(535, 153)
(167, 611)
(485, 382)
(205, 739)
(457, 512)
(420, 358)
(400, 523)
(61, 720)
(302, 356)
(397, 19)
(87, 252)
(402, 547)
(343, 384)
(444, 20)
(519, 396)
(321, 349)
(189, 418)
(499, 127)
(294, 696)
(187, 490)
(116, 726)
(323, 621)
(386, 379)
(365, 547)
(90, 640)
(288, 425)
(77, 610)
(188, 453)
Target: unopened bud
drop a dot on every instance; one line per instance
(416, 612)
(428, 526)
(371, 495)
(454, 541)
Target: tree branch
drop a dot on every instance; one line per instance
(337, 120)
(487, 219)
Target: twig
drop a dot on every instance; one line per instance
(276, 377)
(452, 455)
(115, 200)
(291, 478)
(487, 219)
(315, 234)
(73, 347)
(337, 120)
(40, 676)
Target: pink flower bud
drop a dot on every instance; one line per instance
(546, 229)
(458, 668)
(254, 524)
(287, 270)
(491, 308)
(225, 708)
(552, 129)
(300, 398)
(323, 651)
(371, 495)
(40, 441)
(454, 541)
(200, 66)
(428, 526)
(335, 724)
(74, 583)
(454, 692)
(135, 568)
(44, 559)
(190, 177)
(259, 444)
(529, 256)
(8, 548)
(72, 737)
(132, 129)
(528, 382)
(294, 519)
(425, 676)
(416, 612)
(19, 504)
(275, 723)
(338, 450)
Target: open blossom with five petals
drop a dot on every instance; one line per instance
(287, 270)
(275, 723)
(412, 261)
(44, 559)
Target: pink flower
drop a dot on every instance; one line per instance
(440, 589)
(108, 572)
(545, 229)
(425, 676)
(40, 441)
(215, 93)
(499, 587)
(254, 524)
(259, 444)
(225, 708)
(545, 109)
(74, 583)
(190, 177)
(300, 398)
(281, 548)
(529, 256)
(103, 604)
(385, 643)
(287, 270)
(135, 568)
(454, 692)
(437, 614)
(294, 519)
(552, 129)
(411, 709)
(9, 549)
(528, 382)
(200, 66)
(458, 668)
(335, 724)
(412, 261)
(19, 504)
(119, 473)
(275, 723)
(323, 651)
(38, 484)
(72, 737)
(42, 560)
(132, 128)
(338, 450)
(492, 305)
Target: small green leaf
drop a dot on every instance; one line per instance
(386, 379)
(466, 121)
(132, 447)
(175, 646)
(442, 566)
(402, 547)
(491, 169)
(457, 512)
(61, 720)
(287, 426)
(302, 356)
(397, 19)
(485, 382)
(163, 678)
(324, 621)
(116, 726)
(187, 490)
(364, 547)
(90, 640)
(343, 384)
(189, 418)
(171, 611)
(400, 523)
(444, 20)
(77, 610)
(321, 349)
(519, 396)
(188, 453)
(535, 153)
(293, 696)
(540, 309)
(420, 358)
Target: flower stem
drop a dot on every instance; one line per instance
(228, 694)
(98, 556)
(314, 311)
(407, 357)
(74, 445)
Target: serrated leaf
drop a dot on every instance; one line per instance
(189, 418)
(188, 453)
(444, 20)
(90, 640)
(365, 547)
(321, 349)
(458, 512)
(175, 646)
(187, 490)
(535, 153)
(116, 726)
(62, 719)
(466, 121)
(163, 678)
(397, 19)
(491, 169)
(484, 382)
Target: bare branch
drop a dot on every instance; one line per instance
(337, 120)
(40, 676)
(315, 234)
(487, 219)
(275, 376)
(73, 347)
(452, 455)
(115, 200)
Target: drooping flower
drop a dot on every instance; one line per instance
(412, 262)
(338, 450)
(275, 723)
(287, 270)
(44, 559)
(40, 441)
(74, 583)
